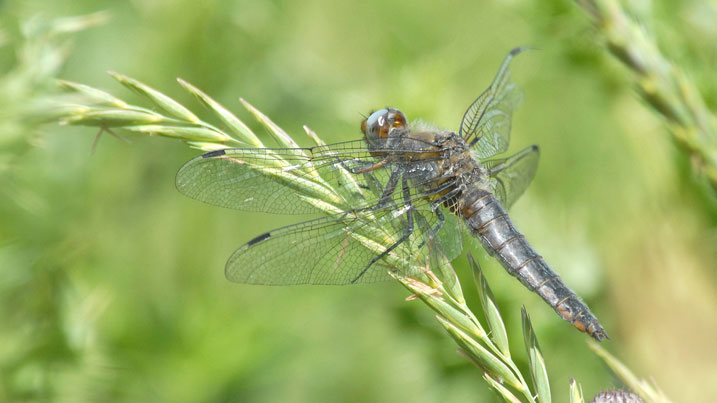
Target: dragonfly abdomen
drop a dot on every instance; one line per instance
(490, 223)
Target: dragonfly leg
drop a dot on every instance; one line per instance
(370, 167)
(436, 207)
(404, 238)
(363, 167)
(389, 189)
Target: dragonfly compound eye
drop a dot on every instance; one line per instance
(397, 119)
(380, 123)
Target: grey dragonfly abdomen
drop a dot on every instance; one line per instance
(489, 222)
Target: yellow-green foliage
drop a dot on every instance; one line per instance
(111, 283)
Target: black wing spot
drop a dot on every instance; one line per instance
(258, 239)
(215, 153)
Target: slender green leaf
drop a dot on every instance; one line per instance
(506, 394)
(313, 136)
(495, 322)
(320, 204)
(169, 105)
(576, 392)
(201, 134)
(662, 84)
(92, 93)
(441, 265)
(58, 112)
(112, 118)
(304, 185)
(205, 146)
(78, 22)
(274, 130)
(643, 388)
(489, 362)
(229, 119)
(538, 371)
(439, 305)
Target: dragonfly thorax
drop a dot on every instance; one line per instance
(458, 159)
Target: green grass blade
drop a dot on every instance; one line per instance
(440, 264)
(641, 387)
(206, 147)
(164, 102)
(482, 357)
(506, 394)
(439, 305)
(576, 392)
(229, 119)
(538, 371)
(79, 22)
(112, 118)
(274, 130)
(201, 134)
(662, 84)
(498, 333)
(99, 96)
(313, 136)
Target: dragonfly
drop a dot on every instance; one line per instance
(389, 196)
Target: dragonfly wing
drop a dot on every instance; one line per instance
(486, 123)
(336, 249)
(244, 179)
(509, 177)
(450, 237)
(281, 180)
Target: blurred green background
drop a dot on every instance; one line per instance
(111, 282)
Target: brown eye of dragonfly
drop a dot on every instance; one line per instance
(363, 126)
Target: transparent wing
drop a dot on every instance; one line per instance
(272, 180)
(509, 177)
(486, 122)
(245, 179)
(341, 248)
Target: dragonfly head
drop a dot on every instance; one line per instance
(382, 122)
